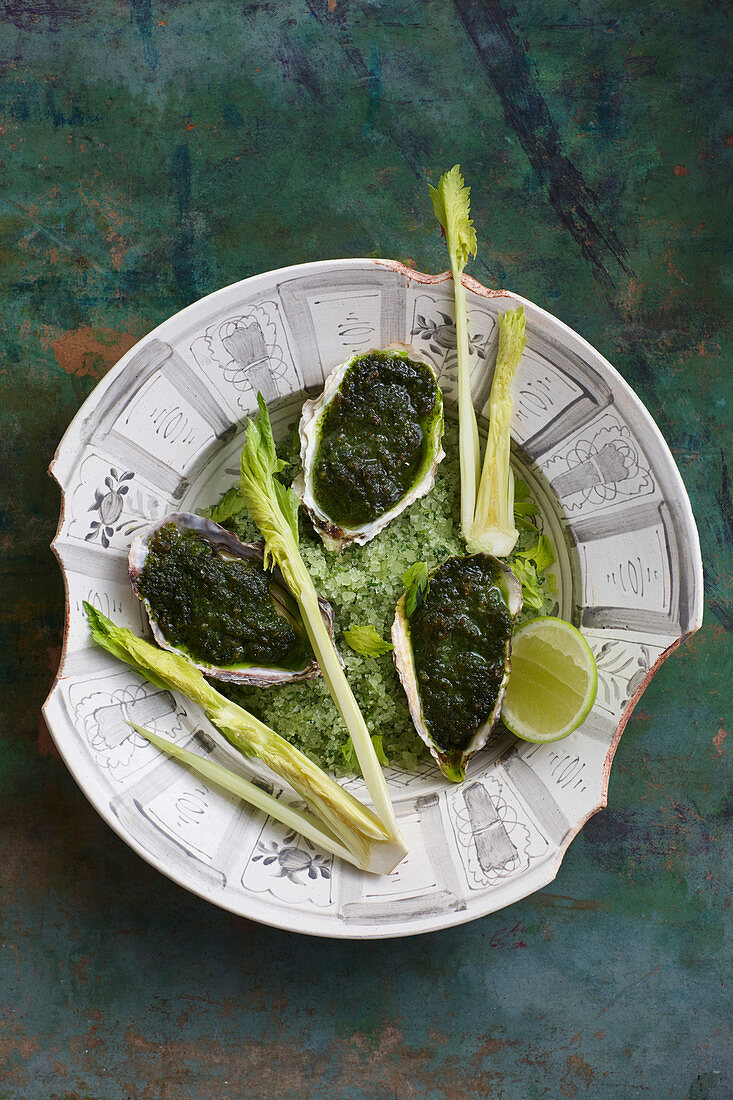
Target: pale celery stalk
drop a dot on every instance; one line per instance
(452, 209)
(305, 824)
(493, 530)
(274, 509)
(373, 845)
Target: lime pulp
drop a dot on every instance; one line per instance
(552, 683)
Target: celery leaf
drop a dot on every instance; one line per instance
(416, 581)
(366, 641)
(526, 574)
(542, 554)
(230, 505)
(452, 208)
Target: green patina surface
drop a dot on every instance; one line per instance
(152, 152)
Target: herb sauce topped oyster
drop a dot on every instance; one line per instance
(370, 444)
(452, 641)
(209, 598)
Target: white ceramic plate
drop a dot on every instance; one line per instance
(158, 434)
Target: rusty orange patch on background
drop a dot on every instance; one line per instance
(578, 1066)
(631, 297)
(718, 740)
(90, 351)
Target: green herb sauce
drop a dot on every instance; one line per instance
(374, 437)
(459, 632)
(220, 611)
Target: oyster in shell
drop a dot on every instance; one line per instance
(452, 645)
(209, 597)
(370, 444)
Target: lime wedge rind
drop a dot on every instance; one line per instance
(543, 648)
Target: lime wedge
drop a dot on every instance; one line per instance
(552, 683)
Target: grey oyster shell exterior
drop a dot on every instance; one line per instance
(223, 540)
(334, 536)
(405, 665)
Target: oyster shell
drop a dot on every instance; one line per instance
(228, 547)
(380, 456)
(453, 661)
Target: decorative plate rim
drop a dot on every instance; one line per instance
(546, 869)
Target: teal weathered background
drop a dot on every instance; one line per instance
(152, 152)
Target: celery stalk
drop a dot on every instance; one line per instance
(305, 824)
(487, 502)
(451, 206)
(274, 509)
(493, 530)
(374, 847)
